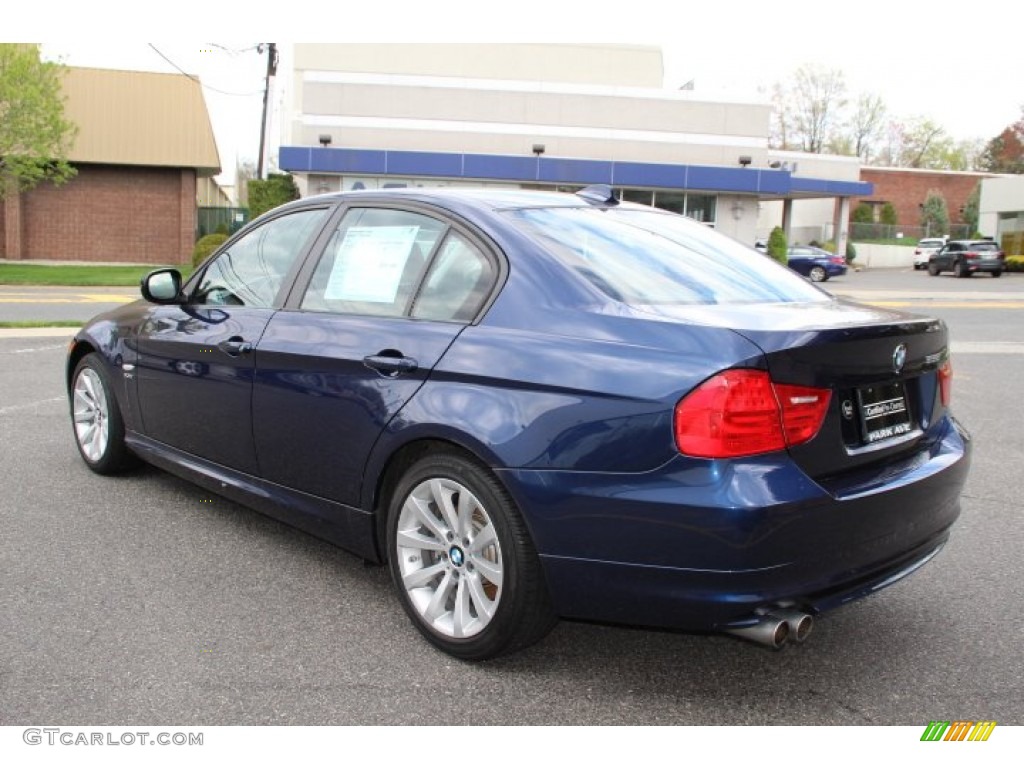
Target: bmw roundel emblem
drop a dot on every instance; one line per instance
(457, 556)
(899, 357)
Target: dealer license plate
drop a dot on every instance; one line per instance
(883, 411)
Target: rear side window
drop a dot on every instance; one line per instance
(640, 257)
(459, 280)
(373, 262)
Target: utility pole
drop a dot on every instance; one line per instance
(271, 71)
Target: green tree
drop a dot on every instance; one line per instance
(863, 214)
(35, 136)
(888, 215)
(275, 190)
(935, 214)
(777, 246)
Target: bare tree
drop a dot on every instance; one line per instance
(924, 141)
(815, 102)
(867, 124)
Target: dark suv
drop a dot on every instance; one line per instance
(965, 257)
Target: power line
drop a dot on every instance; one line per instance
(197, 80)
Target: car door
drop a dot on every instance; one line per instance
(388, 295)
(947, 256)
(195, 362)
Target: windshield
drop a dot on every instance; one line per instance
(645, 257)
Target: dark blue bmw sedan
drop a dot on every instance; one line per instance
(533, 405)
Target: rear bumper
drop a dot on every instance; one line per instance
(701, 545)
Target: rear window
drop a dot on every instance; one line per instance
(985, 246)
(646, 257)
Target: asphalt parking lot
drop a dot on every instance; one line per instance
(145, 600)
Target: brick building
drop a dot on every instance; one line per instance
(143, 141)
(907, 188)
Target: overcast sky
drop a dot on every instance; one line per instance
(953, 63)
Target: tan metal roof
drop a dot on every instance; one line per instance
(139, 118)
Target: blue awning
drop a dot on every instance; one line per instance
(762, 182)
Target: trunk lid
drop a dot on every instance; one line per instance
(881, 367)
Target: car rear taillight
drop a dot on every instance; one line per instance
(742, 412)
(946, 383)
(917, 251)
(837, 260)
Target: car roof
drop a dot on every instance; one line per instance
(493, 199)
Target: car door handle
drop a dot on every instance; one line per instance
(235, 346)
(390, 362)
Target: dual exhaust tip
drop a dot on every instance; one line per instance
(777, 627)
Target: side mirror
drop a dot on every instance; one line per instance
(162, 286)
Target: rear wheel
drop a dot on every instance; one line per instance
(960, 270)
(96, 417)
(462, 561)
(818, 275)
(997, 273)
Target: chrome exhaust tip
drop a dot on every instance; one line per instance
(769, 631)
(800, 623)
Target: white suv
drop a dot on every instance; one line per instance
(926, 248)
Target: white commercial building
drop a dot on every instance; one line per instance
(366, 116)
(1001, 212)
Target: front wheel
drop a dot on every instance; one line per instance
(818, 275)
(96, 417)
(466, 571)
(933, 269)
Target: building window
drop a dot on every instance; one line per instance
(641, 196)
(670, 201)
(702, 207)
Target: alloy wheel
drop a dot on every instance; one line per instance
(449, 558)
(91, 415)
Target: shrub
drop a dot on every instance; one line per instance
(863, 214)
(1015, 263)
(277, 189)
(777, 246)
(851, 252)
(207, 245)
(888, 215)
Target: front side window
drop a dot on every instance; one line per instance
(251, 271)
(373, 262)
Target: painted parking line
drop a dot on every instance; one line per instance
(987, 348)
(925, 304)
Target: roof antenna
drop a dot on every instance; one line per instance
(602, 194)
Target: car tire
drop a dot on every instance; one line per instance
(96, 419)
(960, 270)
(818, 275)
(933, 270)
(997, 273)
(462, 561)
